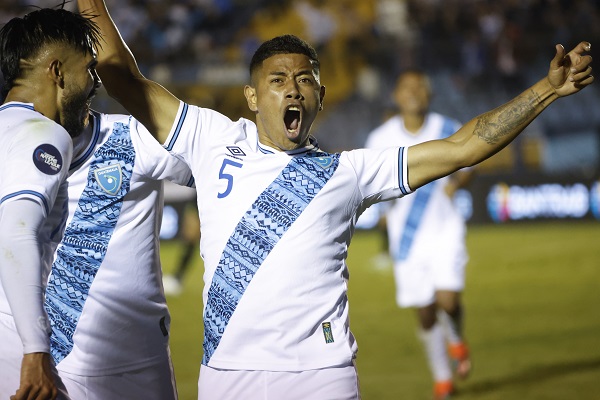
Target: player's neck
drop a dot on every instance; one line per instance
(413, 122)
(81, 142)
(40, 103)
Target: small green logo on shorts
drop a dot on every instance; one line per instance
(327, 332)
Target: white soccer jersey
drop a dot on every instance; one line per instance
(104, 296)
(426, 223)
(275, 233)
(34, 158)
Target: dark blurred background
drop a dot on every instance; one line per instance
(479, 53)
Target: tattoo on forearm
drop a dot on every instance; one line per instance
(510, 118)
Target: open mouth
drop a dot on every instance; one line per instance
(292, 119)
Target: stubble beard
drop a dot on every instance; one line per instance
(74, 106)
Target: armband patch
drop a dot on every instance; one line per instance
(47, 159)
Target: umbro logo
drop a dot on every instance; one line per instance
(236, 151)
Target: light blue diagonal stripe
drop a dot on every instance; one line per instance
(420, 201)
(257, 233)
(85, 242)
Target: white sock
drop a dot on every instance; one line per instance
(452, 325)
(435, 350)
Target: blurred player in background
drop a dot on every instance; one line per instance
(48, 63)
(278, 214)
(426, 235)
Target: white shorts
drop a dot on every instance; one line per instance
(155, 382)
(11, 356)
(418, 278)
(336, 383)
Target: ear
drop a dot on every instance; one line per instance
(250, 94)
(321, 98)
(55, 73)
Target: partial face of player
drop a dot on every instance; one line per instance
(413, 93)
(81, 82)
(286, 98)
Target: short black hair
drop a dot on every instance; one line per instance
(22, 38)
(285, 44)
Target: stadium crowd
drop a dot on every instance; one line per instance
(475, 38)
(478, 52)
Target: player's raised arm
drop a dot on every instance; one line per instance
(490, 132)
(146, 100)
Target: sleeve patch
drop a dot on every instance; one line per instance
(47, 159)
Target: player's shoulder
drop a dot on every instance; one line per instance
(35, 128)
(27, 134)
(24, 116)
(215, 124)
(190, 111)
(246, 125)
(195, 121)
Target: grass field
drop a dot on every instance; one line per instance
(532, 318)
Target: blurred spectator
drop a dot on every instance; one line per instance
(482, 50)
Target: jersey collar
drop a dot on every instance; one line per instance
(311, 146)
(95, 122)
(12, 104)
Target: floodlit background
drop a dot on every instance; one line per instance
(533, 283)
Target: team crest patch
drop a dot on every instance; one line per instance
(327, 332)
(324, 162)
(109, 178)
(47, 159)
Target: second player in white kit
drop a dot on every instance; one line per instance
(426, 235)
(426, 231)
(104, 296)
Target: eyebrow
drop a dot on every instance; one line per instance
(300, 73)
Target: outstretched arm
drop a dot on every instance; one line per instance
(490, 132)
(150, 103)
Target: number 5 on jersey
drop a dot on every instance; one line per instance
(227, 177)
